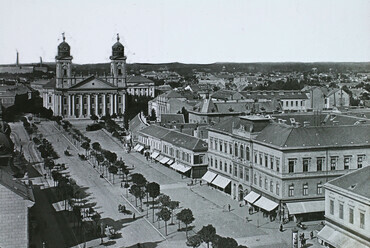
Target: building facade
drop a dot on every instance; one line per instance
(287, 165)
(80, 97)
(347, 211)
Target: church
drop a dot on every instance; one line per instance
(73, 96)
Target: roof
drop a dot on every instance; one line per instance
(172, 94)
(155, 131)
(357, 182)
(227, 95)
(92, 82)
(172, 118)
(176, 138)
(138, 79)
(284, 136)
(16, 186)
(137, 123)
(51, 85)
(186, 141)
(274, 94)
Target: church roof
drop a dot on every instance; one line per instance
(93, 83)
(118, 50)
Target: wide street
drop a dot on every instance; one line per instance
(207, 204)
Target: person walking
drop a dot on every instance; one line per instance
(229, 207)
(133, 216)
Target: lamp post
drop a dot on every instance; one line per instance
(295, 237)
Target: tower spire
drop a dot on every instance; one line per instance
(117, 36)
(64, 38)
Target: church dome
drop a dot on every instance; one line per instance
(118, 50)
(64, 50)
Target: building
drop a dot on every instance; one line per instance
(347, 211)
(135, 125)
(284, 165)
(182, 152)
(337, 98)
(16, 199)
(8, 93)
(320, 98)
(140, 86)
(74, 96)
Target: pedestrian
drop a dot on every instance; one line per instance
(281, 227)
(121, 184)
(229, 207)
(311, 234)
(200, 182)
(133, 216)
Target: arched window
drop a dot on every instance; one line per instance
(241, 151)
(236, 149)
(119, 71)
(247, 155)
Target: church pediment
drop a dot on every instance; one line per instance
(93, 83)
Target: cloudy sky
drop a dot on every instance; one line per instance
(191, 31)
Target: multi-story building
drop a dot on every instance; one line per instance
(285, 165)
(347, 211)
(182, 152)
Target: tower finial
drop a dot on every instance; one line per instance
(64, 38)
(117, 36)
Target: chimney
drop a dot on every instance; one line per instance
(40, 61)
(306, 123)
(17, 61)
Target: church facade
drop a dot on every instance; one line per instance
(74, 96)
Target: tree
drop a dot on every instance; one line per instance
(164, 200)
(207, 234)
(173, 205)
(135, 191)
(138, 179)
(153, 190)
(165, 215)
(186, 217)
(221, 242)
(99, 158)
(94, 118)
(106, 164)
(153, 116)
(113, 170)
(194, 241)
(86, 146)
(96, 146)
(56, 176)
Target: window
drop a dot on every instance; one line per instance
(255, 158)
(64, 100)
(211, 161)
(241, 151)
(271, 186)
(119, 71)
(301, 103)
(277, 165)
(64, 72)
(225, 147)
(305, 189)
(183, 156)
(50, 98)
(220, 165)
(178, 155)
(241, 172)
(341, 211)
(333, 163)
(360, 160)
(319, 163)
(231, 149)
(332, 207)
(277, 189)
(255, 179)
(346, 162)
(235, 170)
(216, 144)
(247, 174)
(260, 181)
(291, 103)
(271, 163)
(225, 167)
(306, 164)
(350, 217)
(291, 190)
(220, 146)
(211, 142)
(296, 103)
(216, 165)
(319, 188)
(287, 103)
(291, 164)
(236, 150)
(265, 183)
(362, 220)
(260, 157)
(230, 169)
(266, 161)
(247, 154)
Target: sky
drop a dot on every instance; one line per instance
(191, 31)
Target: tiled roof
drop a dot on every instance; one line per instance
(172, 118)
(226, 125)
(227, 94)
(136, 123)
(138, 79)
(284, 136)
(16, 186)
(155, 131)
(357, 182)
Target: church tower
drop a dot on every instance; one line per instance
(118, 65)
(64, 65)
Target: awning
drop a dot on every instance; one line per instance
(306, 207)
(154, 155)
(209, 176)
(221, 181)
(338, 239)
(136, 147)
(164, 160)
(159, 158)
(180, 167)
(252, 197)
(266, 204)
(140, 148)
(171, 161)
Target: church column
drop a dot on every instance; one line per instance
(81, 105)
(104, 105)
(96, 105)
(115, 104)
(123, 103)
(73, 105)
(88, 105)
(60, 105)
(69, 105)
(111, 104)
